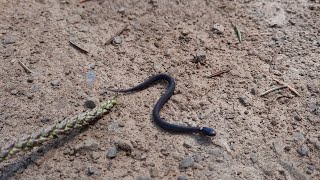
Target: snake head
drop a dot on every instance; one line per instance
(208, 131)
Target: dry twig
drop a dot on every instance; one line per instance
(78, 47)
(25, 67)
(288, 86)
(273, 89)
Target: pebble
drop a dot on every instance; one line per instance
(89, 104)
(30, 80)
(144, 178)
(55, 82)
(124, 145)
(188, 143)
(245, 100)
(112, 152)
(182, 178)
(122, 10)
(311, 169)
(217, 28)
(8, 39)
(14, 92)
(121, 124)
(187, 162)
(89, 144)
(185, 32)
(90, 171)
(303, 150)
(199, 57)
(116, 40)
(154, 172)
(298, 136)
(90, 77)
(277, 148)
(254, 158)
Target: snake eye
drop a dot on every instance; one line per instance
(208, 131)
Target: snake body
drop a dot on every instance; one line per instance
(161, 102)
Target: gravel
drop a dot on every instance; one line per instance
(303, 150)
(217, 28)
(112, 152)
(9, 39)
(187, 162)
(116, 40)
(55, 82)
(199, 57)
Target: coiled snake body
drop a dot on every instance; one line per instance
(161, 102)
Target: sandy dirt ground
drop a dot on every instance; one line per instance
(274, 136)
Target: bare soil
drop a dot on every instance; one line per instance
(275, 136)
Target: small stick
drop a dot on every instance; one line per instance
(288, 86)
(219, 73)
(25, 67)
(78, 47)
(118, 33)
(273, 89)
(82, 1)
(238, 33)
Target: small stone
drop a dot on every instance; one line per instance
(90, 77)
(29, 80)
(121, 124)
(245, 100)
(55, 82)
(254, 158)
(187, 162)
(89, 144)
(277, 148)
(199, 57)
(311, 169)
(30, 96)
(122, 10)
(182, 178)
(274, 122)
(154, 172)
(89, 104)
(297, 118)
(187, 144)
(35, 88)
(116, 40)
(144, 178)
(297, 136)
(167, 52)
(8, 39)
(124, 145)
(14, 92)
(287, 148)
(185, 32)
(303, 150)
(217, 28)
(112, 152)
(90, 171)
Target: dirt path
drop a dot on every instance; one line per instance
(275, 136)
